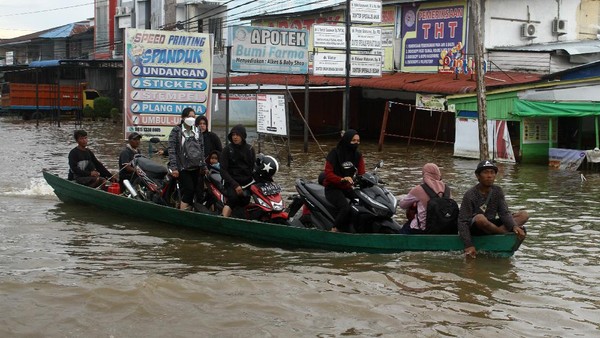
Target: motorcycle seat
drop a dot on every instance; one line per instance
(318, 191)
(152, 169)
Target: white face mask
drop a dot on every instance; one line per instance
(189, 121)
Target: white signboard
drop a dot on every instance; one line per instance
(335, 64)
(365, 38)
(335, 37)
(271, 117)
(329, 64)
(165, 72)
(10, 58)
(328, 36)
(387, 37)
(365, 11)
(365, 65)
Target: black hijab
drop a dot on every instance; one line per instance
(345, 152)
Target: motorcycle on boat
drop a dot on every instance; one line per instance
(266, 203)
(373, 210)
(152, 181)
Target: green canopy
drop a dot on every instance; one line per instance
(555, 109)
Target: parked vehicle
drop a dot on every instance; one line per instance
(372, 212)
(29, 98)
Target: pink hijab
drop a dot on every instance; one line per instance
(433, 178)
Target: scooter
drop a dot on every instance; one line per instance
(372, 211)
(266, 203)
(152, 182)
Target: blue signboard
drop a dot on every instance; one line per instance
(429, 31)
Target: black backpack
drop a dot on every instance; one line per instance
(442, 212)
(192, 152)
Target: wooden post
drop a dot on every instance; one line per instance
(437, 133)
(412, 125)
(306, 106)
(386, 114)
(481, 97)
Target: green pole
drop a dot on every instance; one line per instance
(550, 132)
(597, 136)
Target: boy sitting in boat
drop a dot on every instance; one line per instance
(84, 167)
(484, 211)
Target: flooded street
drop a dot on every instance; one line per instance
(70, 270)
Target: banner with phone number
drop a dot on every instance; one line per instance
(165, 72)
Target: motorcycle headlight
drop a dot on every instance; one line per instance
(278, 206)
(263, 203)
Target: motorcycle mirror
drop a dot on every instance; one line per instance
(380, 164)
(155, 140)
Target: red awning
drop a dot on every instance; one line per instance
(411, 82)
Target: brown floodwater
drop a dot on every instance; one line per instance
(69, 270)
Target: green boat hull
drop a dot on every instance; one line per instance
(275, 234)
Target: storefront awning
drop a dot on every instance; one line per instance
(527, 108)
(437, 83)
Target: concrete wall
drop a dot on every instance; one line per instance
(504, 19)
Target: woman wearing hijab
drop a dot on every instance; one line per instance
(417, 197)
(341, 164)
(212, 142)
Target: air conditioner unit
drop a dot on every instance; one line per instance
(559, 27)
(529, 30)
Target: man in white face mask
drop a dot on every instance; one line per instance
(186, 157)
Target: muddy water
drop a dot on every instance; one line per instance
(73, 271)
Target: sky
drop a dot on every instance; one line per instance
(21, 17)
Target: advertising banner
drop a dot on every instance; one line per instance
(565, 159)
(165, 72)
(269, 50)
(431, 31)
(466, 143)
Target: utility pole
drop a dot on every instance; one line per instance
(227, 85)
(481, 97)
(346, 113)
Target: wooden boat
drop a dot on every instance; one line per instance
(279, 235)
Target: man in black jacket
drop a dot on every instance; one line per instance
(84, 167)
(237, 164)
(126, 156)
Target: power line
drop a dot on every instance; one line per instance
(51, 9)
